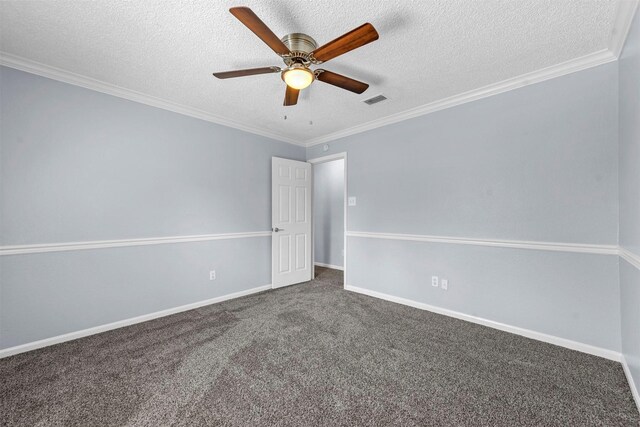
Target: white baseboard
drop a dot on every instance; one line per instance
(126, 322)
(562, 342)
(335, 267)
(632, 384)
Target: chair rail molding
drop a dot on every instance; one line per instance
(630, 257)
(514, 244)
(102, 244)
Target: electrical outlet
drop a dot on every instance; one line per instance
(444, 284)
(434, 281)
(351, 201)
(212, 275)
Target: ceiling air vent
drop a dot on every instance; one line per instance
(375, 100)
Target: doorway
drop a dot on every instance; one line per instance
(329, 212)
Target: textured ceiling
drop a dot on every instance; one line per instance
(427, 51)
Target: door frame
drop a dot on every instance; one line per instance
(315, 161)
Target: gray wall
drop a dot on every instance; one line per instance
(630, 197)
(78, 165)
(538, 163)
(328, 211)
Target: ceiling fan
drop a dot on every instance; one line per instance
(299, 51)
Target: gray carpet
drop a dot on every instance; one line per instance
(310, 355)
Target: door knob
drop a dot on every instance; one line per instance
(277, 229)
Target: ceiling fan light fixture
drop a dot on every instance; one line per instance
(297, 76)
(298, 51)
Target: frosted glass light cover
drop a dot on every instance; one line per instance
(298, 78)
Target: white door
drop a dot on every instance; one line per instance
(291, 222)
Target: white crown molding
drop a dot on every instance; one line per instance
(126, 322)
(626, 10)
(102, 244)
(594, 59)
(578, 64)
(551, 339)
(630, 257)
(514, 244)
(33, 67)
(634, 389)
(622, 22)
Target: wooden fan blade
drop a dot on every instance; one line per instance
(260, 29)
(291, 96)
(247, 72)
(352, 40)
(341, 81)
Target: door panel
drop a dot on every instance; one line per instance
(301, 198)
(291, 214)
(285, 202)
(301, 254)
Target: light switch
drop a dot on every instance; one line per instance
(352, 201)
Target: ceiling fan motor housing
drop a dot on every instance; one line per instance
(299, 42)
(301, 45)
